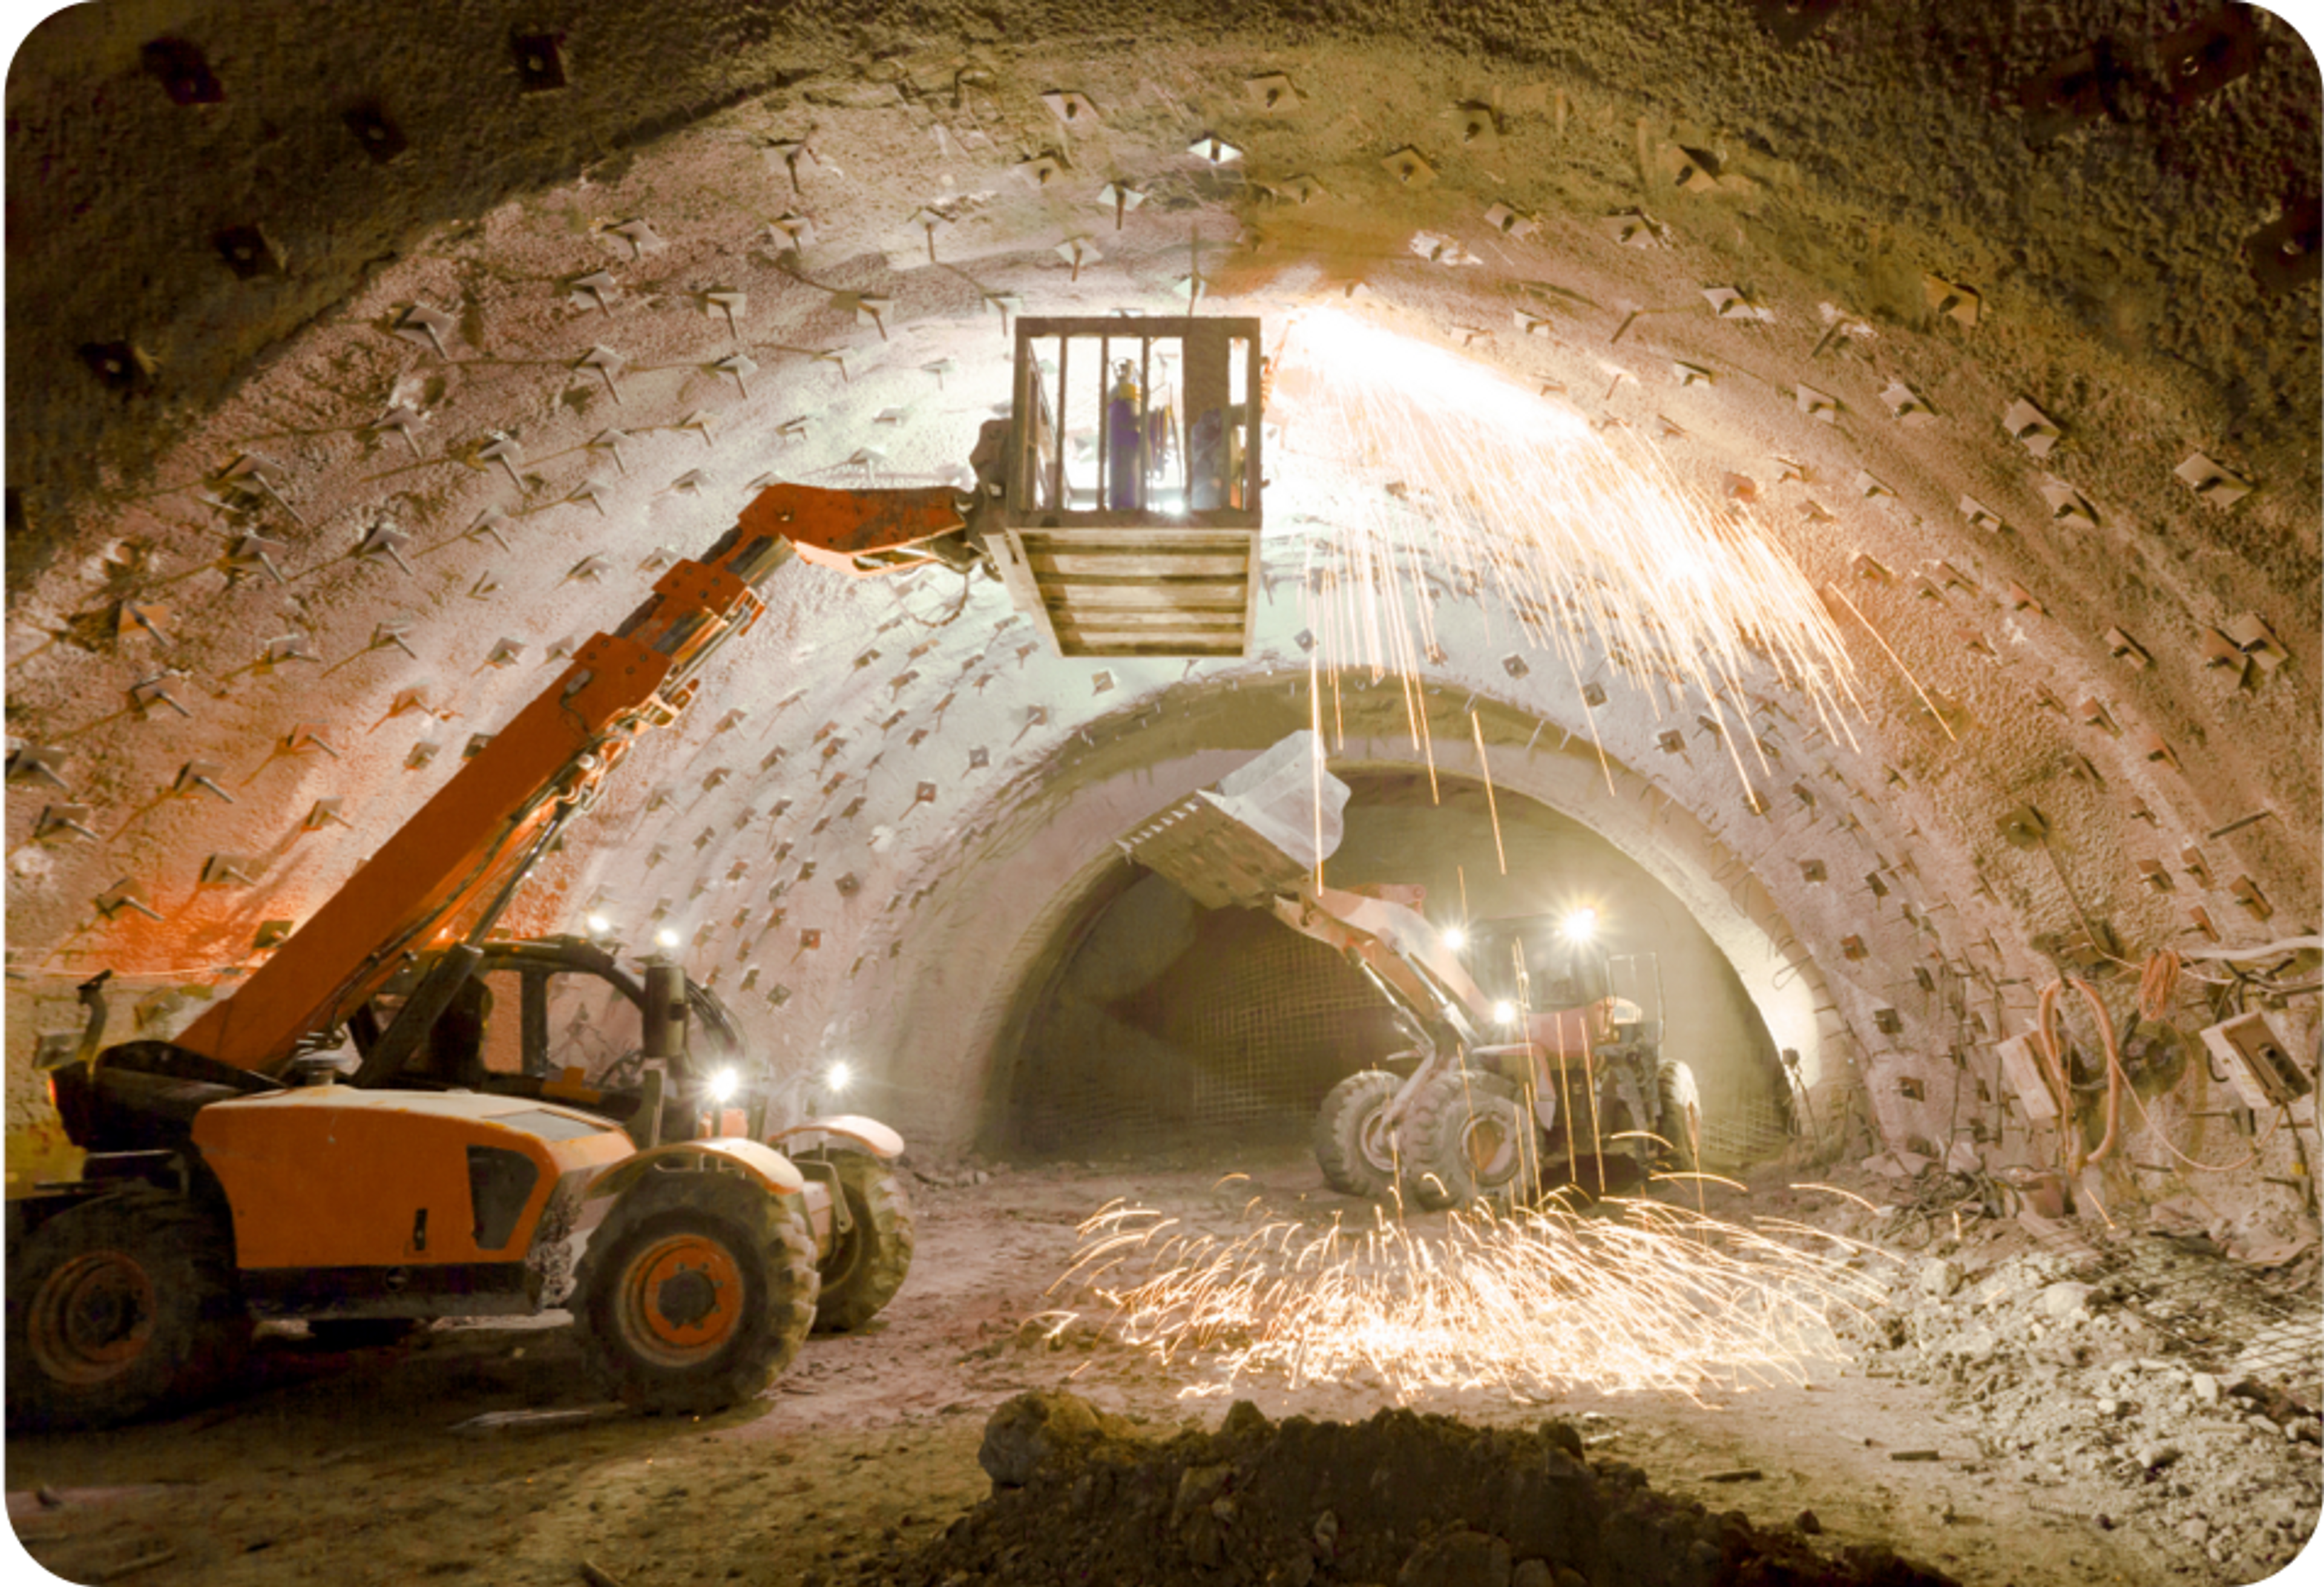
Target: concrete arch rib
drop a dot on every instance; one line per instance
(1053, 842)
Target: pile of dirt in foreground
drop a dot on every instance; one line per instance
(1414, 1500)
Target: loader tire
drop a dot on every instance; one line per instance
(1678, 1117)
(696, 1292)
(867, 1264)
(1351, 1140)
(119, 1306)
(1465, 1138)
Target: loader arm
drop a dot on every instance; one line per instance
(1398, 950)
(454, 863)
(1258, 837)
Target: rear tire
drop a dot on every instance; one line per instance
(119, 1305)
(1352, 1142)
(696, 1292)
(867, 1265)
(1465, 1139)
(1678, 1117)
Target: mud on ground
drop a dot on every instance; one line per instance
(477, 1453)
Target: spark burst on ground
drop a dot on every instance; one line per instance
(1643, 1296)
(1587, 538)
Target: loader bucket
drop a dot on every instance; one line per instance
(1261, 830)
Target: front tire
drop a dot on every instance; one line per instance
(119, 1305)
(867, 1265)
(1679, 1117)
(1351, 1138)
(1467, 1140)
(696, 1292)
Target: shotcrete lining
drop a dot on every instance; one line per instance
(1838, 142)
(1051, 840)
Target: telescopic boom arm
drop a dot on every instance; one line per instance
(450, 869)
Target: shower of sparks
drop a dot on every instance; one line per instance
(1492, 802)
(1587, 539)
(1527, 1304)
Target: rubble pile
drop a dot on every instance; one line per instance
(2138, 1381)
(1415, 1500)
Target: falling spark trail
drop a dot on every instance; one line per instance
(1492, 805)
(1644, 1296)
(1893, 656)
(1590, 541)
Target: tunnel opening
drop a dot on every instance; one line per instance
(1150, 1024)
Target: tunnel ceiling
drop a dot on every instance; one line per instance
(356, 373)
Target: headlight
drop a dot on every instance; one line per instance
(665, 938)
(1580, 926)
(598, 924)
(1505, 1012)
(838, 1075)
(724, 1083)
(1455, 938)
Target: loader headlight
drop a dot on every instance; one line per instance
(724, 1083)
(1580, 926)
(838, 1077)
(598, 924)
(1505, 1012)
(665, 939)
(1455, 938)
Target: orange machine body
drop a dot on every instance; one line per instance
(861, 533)
(334, 1177)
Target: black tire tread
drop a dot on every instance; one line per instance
(1437, 1175)
(856, 1290)
(201, 1330)
(769, 1234)
(1339, 1123)
(1670, 1122)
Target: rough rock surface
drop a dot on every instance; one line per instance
(2179, 1377)
(1417, 1501)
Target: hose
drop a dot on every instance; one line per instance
(2158, 984)
(2046, 1043)
(2156, 988)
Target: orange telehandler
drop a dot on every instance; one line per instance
(230, 1174)
(234, 1174)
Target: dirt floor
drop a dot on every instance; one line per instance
(475, 1453)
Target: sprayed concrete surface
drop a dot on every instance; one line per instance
(1981, 316)
(842, 830)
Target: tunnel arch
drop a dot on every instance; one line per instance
(1044, 863)
(2064, 615)
(1146, 1019)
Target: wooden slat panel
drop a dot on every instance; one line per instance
(1023, 585)
(1133, 597)
(1207, 643)
(1144, 566)
(1255, 577)
(1102, 589)
(1144, 536)
(1159, 648)
(1066, 617)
